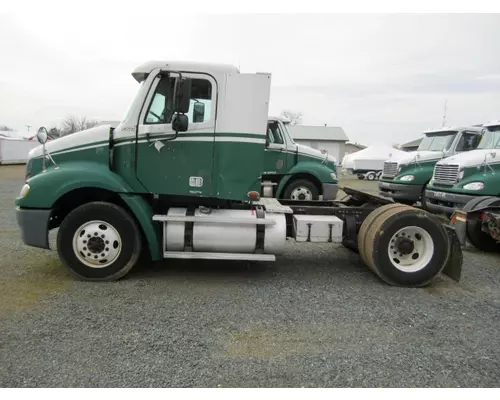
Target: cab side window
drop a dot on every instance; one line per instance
(200, 106)
(160, 110)
(274, 134)
(468, 142)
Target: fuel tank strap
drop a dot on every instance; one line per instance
(261, 230)
(188, 230)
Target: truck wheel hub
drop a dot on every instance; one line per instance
(404, 245)
(97, 244)
(411, 249)
(301, 193)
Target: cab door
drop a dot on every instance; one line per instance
(275, 152)
(182, 164)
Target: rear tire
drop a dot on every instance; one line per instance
(479, 239)
(370, 176)
(366, 226)
(424, 239)
(99, 241)
(301, 189)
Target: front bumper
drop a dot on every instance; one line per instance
(399, 191)
(330, 191)
(445, 202)
(34, 226)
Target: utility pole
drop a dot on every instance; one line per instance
(28, 126)
(444, 114)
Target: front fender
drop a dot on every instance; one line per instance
(319, 171)
(421, 173)
(46, 187)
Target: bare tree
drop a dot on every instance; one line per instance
(74, 124)
(6, 128)
(396, 146)
(294, 117)
(55, 133)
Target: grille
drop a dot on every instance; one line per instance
(447, 174)
(390, 169)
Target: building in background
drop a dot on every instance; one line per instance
(411, 146)
(329, 138)
(353, 147)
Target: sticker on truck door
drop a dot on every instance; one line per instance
(195, 181)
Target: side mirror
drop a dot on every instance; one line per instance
(42, 135)
(198, 112)
(182, 95)
(180, 123)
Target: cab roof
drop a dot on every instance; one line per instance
(492, 123)
(282, 119)
(142, 71)
(444, 129)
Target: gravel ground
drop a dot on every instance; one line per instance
(316, 317)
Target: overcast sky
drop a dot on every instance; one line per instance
(381, 77)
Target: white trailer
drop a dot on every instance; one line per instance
(15, 150)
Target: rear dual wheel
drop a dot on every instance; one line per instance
(404, 246)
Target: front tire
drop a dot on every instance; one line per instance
(301, 189)
(99, 241)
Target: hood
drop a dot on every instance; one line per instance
(87, 137)
(472, 158)
(423, 155)
(308, 151)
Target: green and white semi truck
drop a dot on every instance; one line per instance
(181, 177)
(471, 182)
(405, 176)
(294, 171)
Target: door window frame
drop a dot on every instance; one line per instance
(162, 128)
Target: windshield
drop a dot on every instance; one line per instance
(437, 142)
(137, 98)
(491, 138)
(288, 132)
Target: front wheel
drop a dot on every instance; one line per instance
(99, 241)
(301, 189)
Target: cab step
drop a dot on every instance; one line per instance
(213, 220)
(219, 256)
(273, 205)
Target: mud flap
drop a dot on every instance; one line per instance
(459, 222)
(453, 267)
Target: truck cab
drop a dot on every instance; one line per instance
(294, 171)
(458, 179)
(405, 176)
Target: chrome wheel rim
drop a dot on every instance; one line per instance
(97, 244)
(411, 249)
(301, 193)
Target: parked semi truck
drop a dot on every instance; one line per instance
(178, 185)
(405, 176)
(471, 182)
(294, 171)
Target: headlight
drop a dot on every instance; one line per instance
(474, 186)
(25, 190)
(334, 176)
(407, 178)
